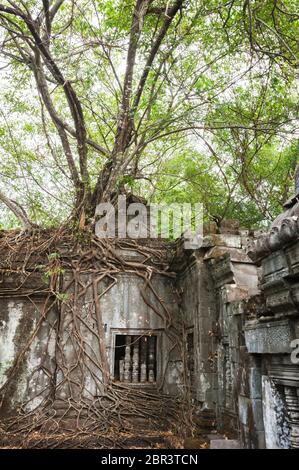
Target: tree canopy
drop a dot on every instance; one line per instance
(173, 100)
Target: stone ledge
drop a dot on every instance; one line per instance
(227, 240)
(269, 338)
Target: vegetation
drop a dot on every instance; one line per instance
(174, 101)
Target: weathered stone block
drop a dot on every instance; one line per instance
(257, 411)
(215, 436)
(255, 383)
(234, 293)
(244, 404)
(260, 440)
(275, 266)
(230, 226)
(292, 254)
(245, 275)
(223, 272)
(251, 413)
(228, 271)
(227, 240)
(295, 294)
(279, 299)
(225, 444)
(269, 338)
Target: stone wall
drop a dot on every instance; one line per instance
(270, 328)
(218, 278)
(34, 367)
(195, 285)
(245, 314)
(30, 381)
(236, 316)
(123, 312)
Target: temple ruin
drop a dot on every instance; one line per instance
(214, 325)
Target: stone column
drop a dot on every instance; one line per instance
(143, 355)
(151, 359)
(121, 370)
(135, 369)
(127, 363)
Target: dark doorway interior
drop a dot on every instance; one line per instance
(190, 359)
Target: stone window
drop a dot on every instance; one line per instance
(135, 358)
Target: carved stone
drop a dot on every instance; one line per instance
(127, 364)
(268, 338)
(143, 354)
(292, 401)
(151, 359)
(121, 370)
(135, 367)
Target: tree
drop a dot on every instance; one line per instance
(112, 88)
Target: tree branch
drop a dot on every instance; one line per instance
(170, 14)
(43, 89)
(124, 128)
(17, 209)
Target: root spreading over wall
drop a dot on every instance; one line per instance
(67, 414)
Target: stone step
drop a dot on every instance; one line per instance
(215, 436)
(225, 444)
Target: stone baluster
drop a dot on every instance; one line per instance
(121, 370)
(135, 369)
(143, 356)
(127, 364)
(143, 373)
(151, 359)
(292, 402)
